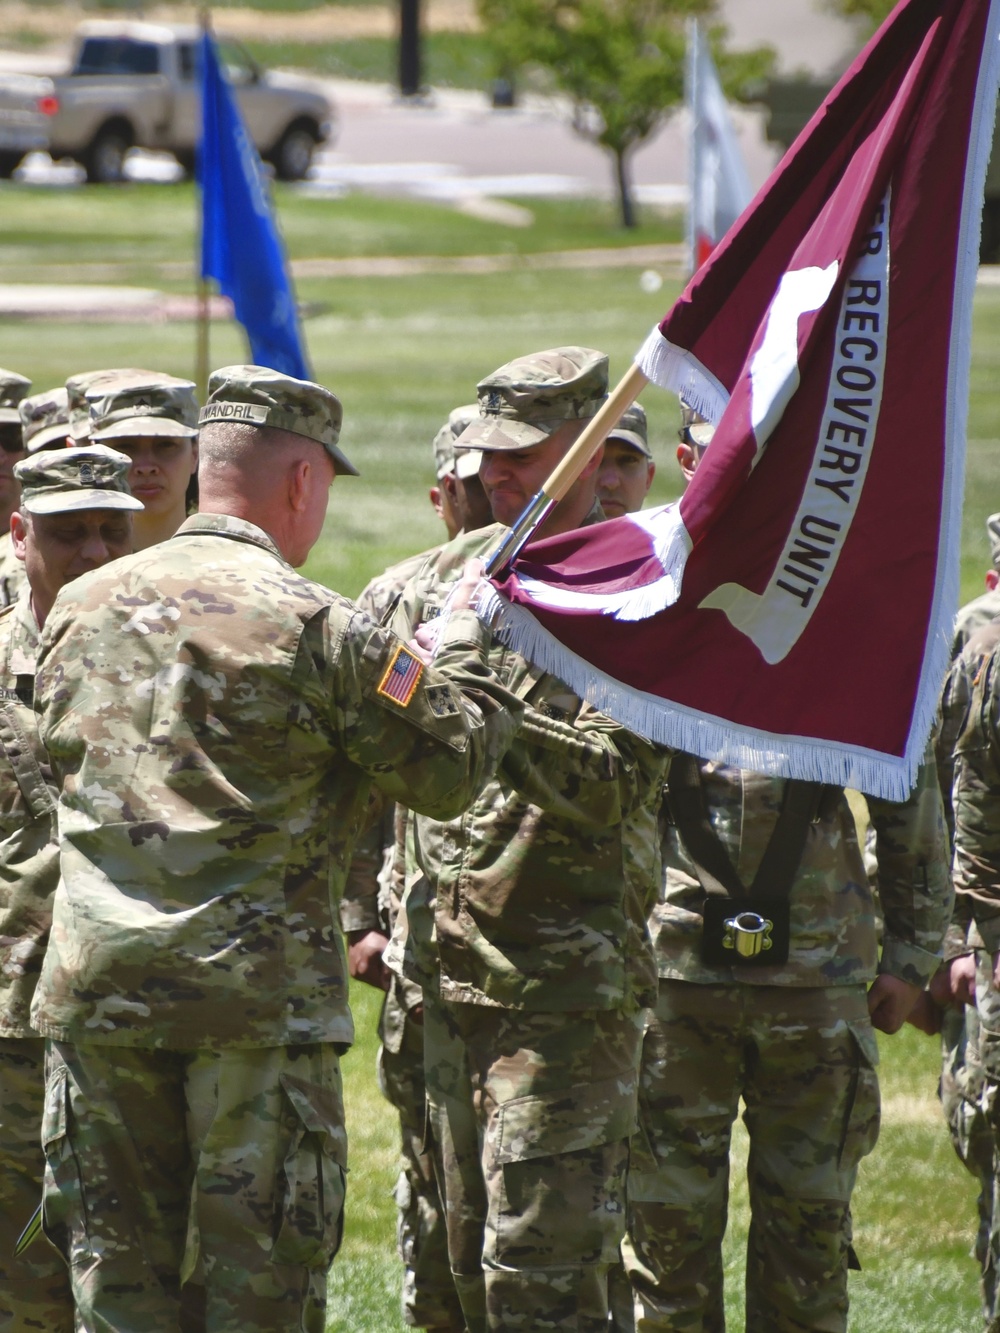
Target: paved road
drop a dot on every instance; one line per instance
(457, 149)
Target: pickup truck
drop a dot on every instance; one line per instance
(26, 103)
(134, 85)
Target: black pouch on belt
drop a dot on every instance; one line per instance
(744, 927)
(749, 931)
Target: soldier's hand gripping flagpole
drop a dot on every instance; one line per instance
(566, 471)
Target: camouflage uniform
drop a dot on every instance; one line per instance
(524, 921)
(971, 1039)
(35, 1287)
(977, 631)
(794, 1040)
(36, 1291)
(372, 894)
(216, 721)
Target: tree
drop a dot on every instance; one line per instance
(621, 62)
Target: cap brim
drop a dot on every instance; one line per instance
(8, 415)
(495, 433)
(47, 436)
(633, 440)
(342, 465)
(140, 428)
(66, 502)
(467, 463)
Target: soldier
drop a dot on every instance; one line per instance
(13, 388)
(524, 922)
(74, 514)
(977, 882)
(627, 467)
(458, 499)
(788, 1029)
(155, 421)
(986, 607)
(78, 386)
(44, 418)
(368, 913)
(45, 421)
(216, 722)
(949, 1004)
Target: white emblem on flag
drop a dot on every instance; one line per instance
(774, 369)
(776, 618)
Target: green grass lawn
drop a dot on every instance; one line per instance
(448, 59)
(401, 352)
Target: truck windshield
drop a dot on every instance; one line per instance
(117, 55)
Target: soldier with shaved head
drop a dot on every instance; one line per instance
(216, 722)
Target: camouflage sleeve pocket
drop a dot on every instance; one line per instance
(862, 1119)
(312, 1217)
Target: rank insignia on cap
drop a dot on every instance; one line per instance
(402, 676)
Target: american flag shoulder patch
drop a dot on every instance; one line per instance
(402, 676)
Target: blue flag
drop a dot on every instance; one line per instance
(240, 245)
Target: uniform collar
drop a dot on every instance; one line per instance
(224, 525)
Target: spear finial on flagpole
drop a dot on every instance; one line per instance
(566, 471)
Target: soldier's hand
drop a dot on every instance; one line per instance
(464, 592)
(926, 1015)
(364, 958)
(890, 1000)
(962, 980)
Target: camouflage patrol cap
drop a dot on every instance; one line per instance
(13, 387)
(694, 426)
(133, 408)
(528, 399)
(993, 532)
(257, 396)
(80, 387)
(58, 481)
(632, 429)
(45, 420)
(444, 441)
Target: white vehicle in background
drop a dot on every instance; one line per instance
(26, 105)
(134, 85)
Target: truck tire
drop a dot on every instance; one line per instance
(293, 153)
(104, 160)
(9, 162)
(186, 160)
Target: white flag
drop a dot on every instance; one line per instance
(720, 186)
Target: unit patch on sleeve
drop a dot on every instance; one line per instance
(402, 676)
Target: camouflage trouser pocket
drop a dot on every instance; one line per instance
(562, 1163)
(312, 1215)
(863, 1112)
(64, 1211)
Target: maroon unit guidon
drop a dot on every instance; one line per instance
(792, 612)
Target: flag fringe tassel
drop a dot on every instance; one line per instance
(683, 728)
(678, 370)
